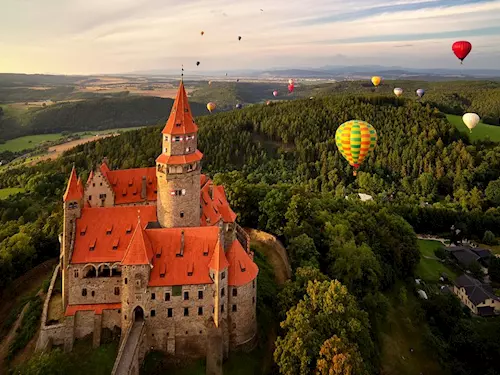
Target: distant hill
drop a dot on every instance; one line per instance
(93, 114)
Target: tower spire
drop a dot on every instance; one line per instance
(182, 74)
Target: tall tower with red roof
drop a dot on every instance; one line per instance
(178, 168)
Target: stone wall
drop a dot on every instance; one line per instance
(179, 147)
(102, 288)
(243, 321)
(171, 207)
(84, 323)
(111, 318)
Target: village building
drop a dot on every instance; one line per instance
(478, 297)
(157, 249)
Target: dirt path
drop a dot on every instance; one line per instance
(275, 253)
(4, 345)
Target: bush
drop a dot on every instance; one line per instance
(489, 238)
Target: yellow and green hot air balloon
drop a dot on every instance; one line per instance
(355, 140)
(376, 80)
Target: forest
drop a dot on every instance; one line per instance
(283, 174)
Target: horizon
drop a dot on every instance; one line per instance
(89, 37)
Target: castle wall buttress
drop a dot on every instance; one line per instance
(72, 211)
(242, 318)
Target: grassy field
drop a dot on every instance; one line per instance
(480, 132)
(401, 333)
(28, 142)
(4, 193)
(430, 269)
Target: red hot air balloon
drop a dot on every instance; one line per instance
(461, 49)
(290, 88)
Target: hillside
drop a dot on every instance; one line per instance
(92, 114)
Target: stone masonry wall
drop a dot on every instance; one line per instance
(97, 186)
(84, 323)
(102, 287)
(111, 318)
(243, 322)
(179, 148)
(170, 207)
(184, 334)
(133, 294)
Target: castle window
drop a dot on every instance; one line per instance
(183, 191)
(100, 184)
(177, 138)
(178, 125)
(223, 275)
(93, 184)
(166, 138)
(153, 313)
(222, 292)
(84, 292)
(117, 291)
(176, 290)
(76, 274)
(200, 310)
(186, 296)
(93, 293)
(167, 296)
(182, 214)
(200, 294)
(235, 292)
(234, 308)
(102, 196)
(222, 308)
(253, 283)
(188, 149)
(253, 300)
(126, 281)
(153, 296)
(186, 311)
(90, 197)
(170, 313)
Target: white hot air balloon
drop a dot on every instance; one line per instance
(398, 91)
(471, 120)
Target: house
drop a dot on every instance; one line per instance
(478, 297)
(466, 255)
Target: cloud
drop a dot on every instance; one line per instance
(91, 36)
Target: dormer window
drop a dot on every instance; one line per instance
(186, 110)
(109, 230)
(128, 230)
(190, 269)
(158, 252)
(116, 243)
(242, 267)
(178, 125)
(83, 231)
(163, 271)
(92, 245)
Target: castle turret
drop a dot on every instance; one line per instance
(72, 207)
(178, 168)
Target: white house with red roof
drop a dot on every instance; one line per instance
(158, 248)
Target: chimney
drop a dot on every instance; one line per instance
(182, 243)
(143, 190)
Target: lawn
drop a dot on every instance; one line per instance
(431, 269)
(402, 332)
(28, 142)
(480, 132)
(4, 193)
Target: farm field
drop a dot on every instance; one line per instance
(28, 142)
(430, 268)
(480, 132)
(4, 193)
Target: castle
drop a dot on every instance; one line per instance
(157, 248)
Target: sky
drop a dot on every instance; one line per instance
(119, 36)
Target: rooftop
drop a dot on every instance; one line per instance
(475, 290)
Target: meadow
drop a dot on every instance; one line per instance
(481, 132)
(5, 193)
(430, 268)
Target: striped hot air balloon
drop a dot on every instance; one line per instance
(355, 140)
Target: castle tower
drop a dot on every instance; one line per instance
(72, 207)
(178, 168)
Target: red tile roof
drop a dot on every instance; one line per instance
(93, 228)
(139, 250)
(104, 168)
(182, 266)
(127, 184)
(180, 115)
(218, 261)
(97, 308)
(242, 268)
(180, 159)
(215, 207)
(91, 176)
(73, 192)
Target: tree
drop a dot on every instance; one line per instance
(476, 270)
(494, 269)
(489, 238)
(440, 252)
(327, 310)
(338, 357)
(303, 251)
(493, 192)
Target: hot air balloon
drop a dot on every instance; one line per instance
(202, 33)
(275, 93)
(355, 140)
(311, 98)
(239, 38)
(210, 82)
(290, 81)
(268, 102)
(211, 106)
(461, 49)
(237, 80)
(226, 74)
(197, 63)
(376, 80)
(290, 88)
(398, 91)
(239, 106)
(470, 120)
(420, 92)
